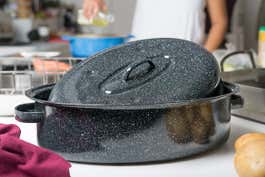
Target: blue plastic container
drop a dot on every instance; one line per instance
(83, 47)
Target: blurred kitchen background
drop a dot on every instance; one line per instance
(29, 25)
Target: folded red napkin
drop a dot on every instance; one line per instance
(21, 159)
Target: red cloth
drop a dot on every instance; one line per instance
(21, 159)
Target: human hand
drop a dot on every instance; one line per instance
(92, 7)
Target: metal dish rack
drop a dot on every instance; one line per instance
(18, 74)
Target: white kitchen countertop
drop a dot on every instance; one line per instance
(216, 163)
(10, 50)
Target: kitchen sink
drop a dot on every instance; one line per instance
(252, 88)
(253, 83)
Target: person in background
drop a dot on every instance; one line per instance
(183, 19)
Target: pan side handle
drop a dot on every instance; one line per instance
(237, 102)
(28, 113)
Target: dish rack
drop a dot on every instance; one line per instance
(20, 74)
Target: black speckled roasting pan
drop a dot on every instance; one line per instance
(132, 110)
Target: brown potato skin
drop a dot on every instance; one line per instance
(245, 139)
(249, 160)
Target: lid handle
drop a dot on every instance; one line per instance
(133, 75)
(139, 70)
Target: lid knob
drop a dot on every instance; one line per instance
(139, 70)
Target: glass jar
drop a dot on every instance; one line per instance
(100, 20)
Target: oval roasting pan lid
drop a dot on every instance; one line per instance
(152, 71)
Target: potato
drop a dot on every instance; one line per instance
(245, 139)
(249, 160)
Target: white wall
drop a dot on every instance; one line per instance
(123, 11)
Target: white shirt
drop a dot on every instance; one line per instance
(183, 19)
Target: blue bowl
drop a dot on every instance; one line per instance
(83, 47)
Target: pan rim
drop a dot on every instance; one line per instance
(31, 93)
